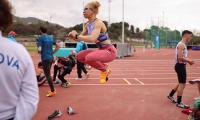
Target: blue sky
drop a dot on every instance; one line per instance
(179, 14)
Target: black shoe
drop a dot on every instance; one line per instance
(66, 84)
(171, 99)
(194, 81)
(182, 105)
(55, 114)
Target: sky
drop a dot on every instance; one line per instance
(176, 14)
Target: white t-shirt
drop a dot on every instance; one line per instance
(18, 84)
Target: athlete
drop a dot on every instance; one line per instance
(180, 68)
(95, 31)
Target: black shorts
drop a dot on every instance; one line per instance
(180, 69)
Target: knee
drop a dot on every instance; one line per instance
(79, 58)
(89, 59)
(182, 86)
(60, 77)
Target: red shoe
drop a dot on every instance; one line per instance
(187, 111)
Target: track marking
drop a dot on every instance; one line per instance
(135, 69)
(172, 73)
(121, 60)
(136, 79)
(153, 84)
(151, 70)
(164, 73)
(129, 83)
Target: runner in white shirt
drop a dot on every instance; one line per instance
(180, 68)
(18, 84)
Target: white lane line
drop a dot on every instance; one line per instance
(136, 79)
(153, 84)
(143, 60)
(129, 83)
(150, 70)
(143, 74)
(164, 70)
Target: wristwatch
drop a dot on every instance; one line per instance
(76, 36)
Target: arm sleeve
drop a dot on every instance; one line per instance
(29, 96)
(39, 41)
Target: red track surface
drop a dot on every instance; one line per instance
(137, 90)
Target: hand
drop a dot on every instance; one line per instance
(72, 34)
(39, 50)
(73, 52)
(191, 62)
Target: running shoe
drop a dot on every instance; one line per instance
(55, 114)
(40, 83)
(197, 98)
(171, 99)
(194, 81)
(51, 94)
(104, 76)
(182, 105)
(66, 84)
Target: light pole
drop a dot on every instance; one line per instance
(109, 10)
(122, 21)
(82, 11)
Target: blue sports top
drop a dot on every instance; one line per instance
(102, 37)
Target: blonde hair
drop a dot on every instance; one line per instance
(95, 6)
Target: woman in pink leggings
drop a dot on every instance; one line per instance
(95, 31)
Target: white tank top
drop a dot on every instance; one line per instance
(185, 52)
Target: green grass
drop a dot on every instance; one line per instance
(31, 49)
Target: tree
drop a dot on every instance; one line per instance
(132, 29)
(137, 30)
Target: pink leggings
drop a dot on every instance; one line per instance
(97, 57)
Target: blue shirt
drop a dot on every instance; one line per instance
(80, 47)
(12, 38)
(46, 44)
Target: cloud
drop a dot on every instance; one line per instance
(180, 14)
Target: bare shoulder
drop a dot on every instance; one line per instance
(181, 46)
(101, 24)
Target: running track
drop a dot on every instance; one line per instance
(137, 90)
